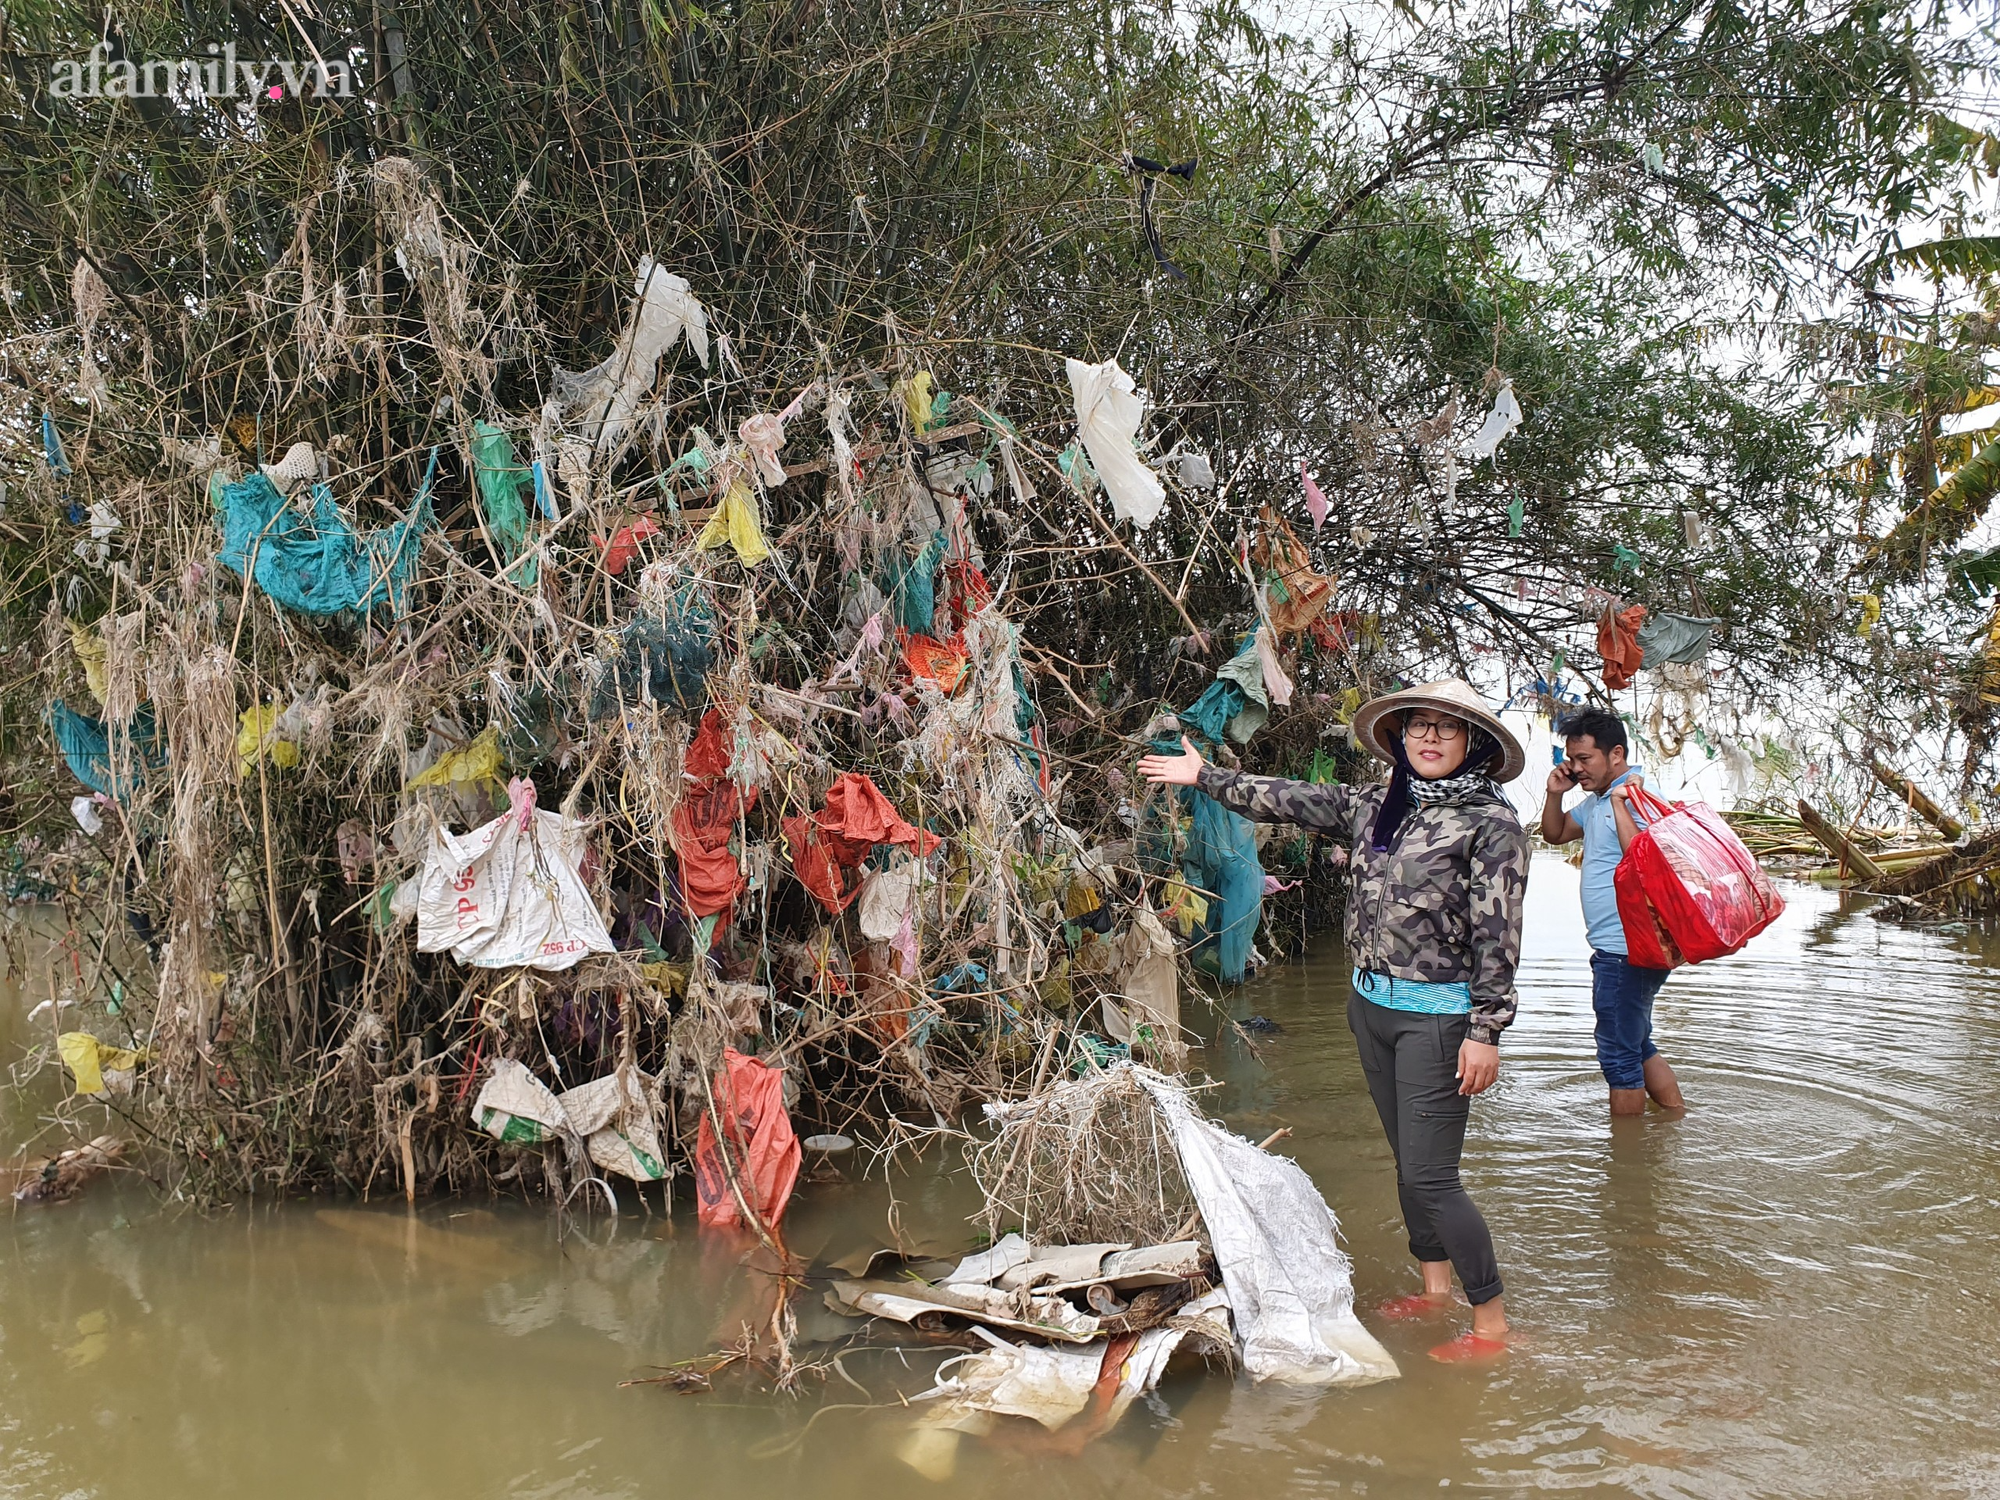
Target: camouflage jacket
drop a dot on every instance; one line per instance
(1441, 903)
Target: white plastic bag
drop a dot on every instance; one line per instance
(605, 398)
(510, 893)
(1108, 410)
(888, 898)
(1499, 424)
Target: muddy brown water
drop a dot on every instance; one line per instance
(1790, 1292)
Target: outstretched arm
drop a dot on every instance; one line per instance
(1262, 799)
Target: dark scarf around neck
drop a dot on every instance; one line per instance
(1407, 789)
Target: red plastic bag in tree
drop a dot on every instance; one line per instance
(762, 1149)
(704, 821)
(834, 840)
(1688, 889)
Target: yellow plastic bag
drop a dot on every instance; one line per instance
(1186, 907)
(918, 401)
(735, 522)
(89, 1060)
(478, 761)
(1871, 611)
(90, 650)
(668, 979)
(1080, 900)
(257, 735)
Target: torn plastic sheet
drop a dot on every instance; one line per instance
(1147, 1007)
(501, 478)
(888, 899)
(1683, 639)
(1108, 412)
(1053, 1386)
(1291, 1291)
(1046, 1315)
(757, 1154)
(763, 434)
(98, 1067)
(312, 561)
(1194, 470)
(606, 397)
(735, 522)
(86, 748)
(1316, 502)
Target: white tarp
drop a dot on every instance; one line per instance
(1288, 1280)
(510, 893)
(1108, 410)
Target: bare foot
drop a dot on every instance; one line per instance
(1469, 1348)
(1415, 1305)
(1661, 1085)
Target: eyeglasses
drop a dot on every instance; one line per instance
(1441, 730)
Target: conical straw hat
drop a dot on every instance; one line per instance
(1376, 723)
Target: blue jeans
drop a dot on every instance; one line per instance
(1622, 995)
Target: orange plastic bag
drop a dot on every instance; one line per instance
(704, 821)
(1618, 644)
(944, 662)
(833, 841)
(763, 1149)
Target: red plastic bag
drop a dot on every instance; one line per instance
(762, 1149)
(834, 840)
(1688, 890)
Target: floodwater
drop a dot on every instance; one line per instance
(1789, 1292)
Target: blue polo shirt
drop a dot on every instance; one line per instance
(1601, 855)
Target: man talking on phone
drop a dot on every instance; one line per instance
(1595, 750)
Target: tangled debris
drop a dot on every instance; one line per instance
(1067, 1332)
(480, 809)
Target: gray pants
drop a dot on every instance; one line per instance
(1411, 1060)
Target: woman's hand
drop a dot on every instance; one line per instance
(1478, 1066)
(1174, 770)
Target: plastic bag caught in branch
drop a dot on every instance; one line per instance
(89, 1060)
(1499, 424)
(606, 396)
(259, 734)
(1316, 502)
(764, 434)
(510, 893)
(837, 402)
(1108, 411)
(735, 522)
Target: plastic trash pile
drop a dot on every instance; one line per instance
(1068, 1333)
(621, 790)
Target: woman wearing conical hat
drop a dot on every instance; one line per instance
(1438, 866)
